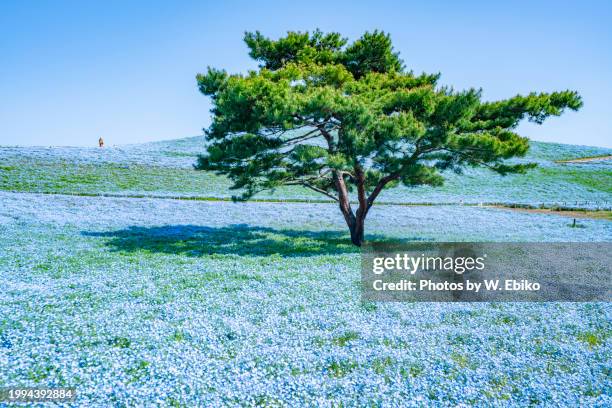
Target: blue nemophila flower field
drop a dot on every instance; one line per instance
(166, 169)
(143, 301)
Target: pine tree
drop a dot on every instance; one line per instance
(348, 120)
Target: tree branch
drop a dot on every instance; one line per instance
(361, 193)
(343, 199)
(328, 137)
(319, 190)
(301, 138)
(468, 157)
(379, 187)
(394, 176)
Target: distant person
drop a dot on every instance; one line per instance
(101, 142)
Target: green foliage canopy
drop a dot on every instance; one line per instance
(337, 117)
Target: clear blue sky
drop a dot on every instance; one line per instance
(73, 71)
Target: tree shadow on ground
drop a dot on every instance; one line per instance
(239, 239)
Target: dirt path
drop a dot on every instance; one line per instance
(592, 214)
(585, 159)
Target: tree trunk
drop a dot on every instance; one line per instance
(354, 221)
(357, 231)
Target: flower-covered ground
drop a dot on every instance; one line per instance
(166, 169)
(143, 302)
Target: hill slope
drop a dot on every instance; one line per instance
(166, 169)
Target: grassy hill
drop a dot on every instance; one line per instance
(166, 169)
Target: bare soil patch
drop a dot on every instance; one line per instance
(586, 159)
(592, 214)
